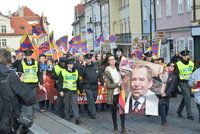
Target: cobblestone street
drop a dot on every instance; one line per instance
(146, 125)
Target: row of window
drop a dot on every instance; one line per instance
(123, 3)
(3, 43)
(124, 25)
(180, 7)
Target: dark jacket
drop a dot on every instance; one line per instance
(16, 93)
(91, 75)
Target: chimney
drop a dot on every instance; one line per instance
(9, 13)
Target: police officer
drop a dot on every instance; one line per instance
(91, 75)
(69, 78)
(30, 76)
(55, 74)
(185, 69)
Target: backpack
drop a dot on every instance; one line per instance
(9, 108)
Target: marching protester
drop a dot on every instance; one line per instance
(13, 94)
(113, 82)
(194, 82)
(185, 69)
(69, 83)
(91, 75)
(164, 98)
(43, 67)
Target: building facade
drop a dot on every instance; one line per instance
(92, 21)
(147, 25)
(173, 18)
(196, 28)
(15, 25)
(124, 23)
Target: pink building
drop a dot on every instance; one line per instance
(173, 17)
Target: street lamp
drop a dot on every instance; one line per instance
(150, 19)
(93, 26)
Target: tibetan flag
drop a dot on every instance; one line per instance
(51, 40)
(83, 46)
(155, 48)
(101, 38)
(89, 30)
(43, 47)
(25, 42)
(62, 44)
(121, 101)
(78, 38)
(39, 29)
(138, 53)
(50, 52)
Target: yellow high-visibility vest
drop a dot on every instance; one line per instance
(30, 72)
(185, 70)
(69, 80)
(57, 69)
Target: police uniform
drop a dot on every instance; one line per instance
(185, 69)
(69, 78)
(56, 72)
(31, 77)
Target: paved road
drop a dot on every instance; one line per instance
(136, 125)
(146, 125)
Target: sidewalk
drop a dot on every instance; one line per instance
(49, 123)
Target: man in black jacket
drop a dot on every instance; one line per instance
(13, 94)
(91, 76)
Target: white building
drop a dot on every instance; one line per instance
(13, 27)
(93, 21)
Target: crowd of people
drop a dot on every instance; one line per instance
(55, 83)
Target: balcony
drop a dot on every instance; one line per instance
(124, 38)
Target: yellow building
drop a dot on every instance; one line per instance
(125, 23)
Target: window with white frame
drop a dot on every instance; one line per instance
(180, 7)
(168, 8)
(129, 25)
(158, 9)
(188, 5)
(145, 12)
(121, 26)
(3, 43)
(125, 26)
(3, 29)
(127, 2)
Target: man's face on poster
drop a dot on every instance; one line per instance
(140, 82)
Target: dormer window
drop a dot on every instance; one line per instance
(3, 29)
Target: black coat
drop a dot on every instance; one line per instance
(91, 75)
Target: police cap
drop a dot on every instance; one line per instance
(185, 53)
(88, 56)
(148, 54)
(28, 52)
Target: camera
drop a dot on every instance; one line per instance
(24, 125)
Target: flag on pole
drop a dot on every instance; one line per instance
(25, 42)
(101, 38)
(51, 40)
(62, 44)
(43, 47)
(38, 29)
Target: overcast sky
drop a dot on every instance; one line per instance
(60, 13)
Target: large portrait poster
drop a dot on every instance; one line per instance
(143, 82)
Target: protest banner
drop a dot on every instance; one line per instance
(142, 81)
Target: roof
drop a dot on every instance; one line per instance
(28, 14)
(80, 9)
(20, 25)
